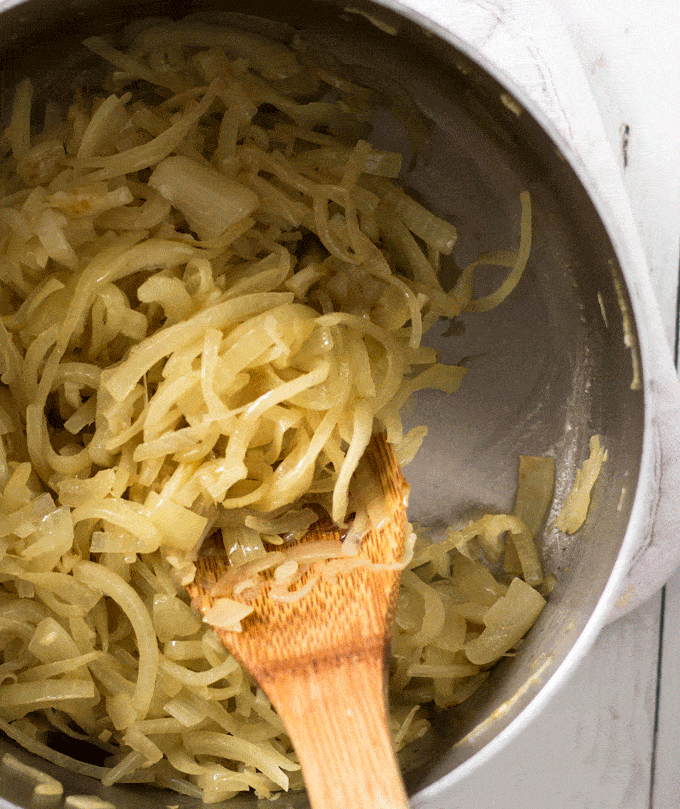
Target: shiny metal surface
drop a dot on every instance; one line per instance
(553, 365)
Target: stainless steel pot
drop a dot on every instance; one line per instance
(568, 355)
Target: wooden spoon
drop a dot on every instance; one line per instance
(321, 660)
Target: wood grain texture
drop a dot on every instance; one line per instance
(321, 659)
(336, 716)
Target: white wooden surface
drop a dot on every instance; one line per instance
(610, 740)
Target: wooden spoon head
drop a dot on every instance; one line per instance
(347, 616)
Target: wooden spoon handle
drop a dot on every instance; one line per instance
(336, 716)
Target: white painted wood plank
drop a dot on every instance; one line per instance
(592, 748)
(667, 771)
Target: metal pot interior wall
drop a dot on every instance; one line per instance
(547, 369)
